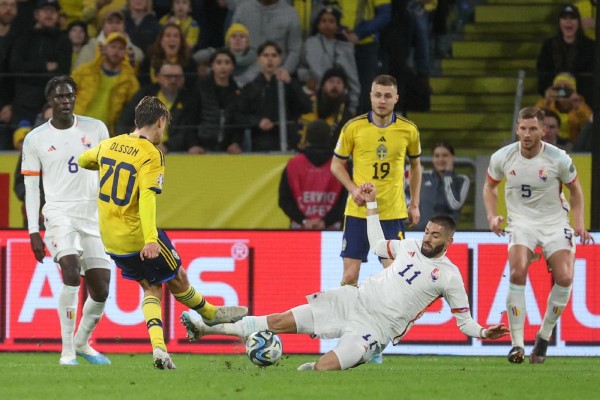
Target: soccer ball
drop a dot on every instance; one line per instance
(264, 348)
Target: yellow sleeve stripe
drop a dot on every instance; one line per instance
(167, 255)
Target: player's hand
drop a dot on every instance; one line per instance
(584, 236)
(358, 196)
(368, 191)
(494, 223)
(150, 251)
(37, 246)
(497, 331)
(414, 214)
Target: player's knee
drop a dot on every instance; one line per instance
(563, 279)
(518, 276)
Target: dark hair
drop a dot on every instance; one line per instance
(552, 114)
(532, 112)
(268, 43)
(446, 221)
(332, 9)
(223, 50)
(385, 80)
(149, 110)
(59, 80)
(157, 53)
(444, 144)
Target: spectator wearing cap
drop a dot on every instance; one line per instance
(141, 24)
(330, 104)
(8, 36)
(324, 50)
(273, 20)
(309, 194)
(562, 98)
(181, 132)
(38, 54)
(112, 20)
(237, 40)
(567, 51)
(106, 84)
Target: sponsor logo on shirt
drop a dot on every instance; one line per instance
(411, 253)
(160, 180)
(512, 172)
(51, 148)
(86, 142)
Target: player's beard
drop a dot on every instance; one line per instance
(434, 252)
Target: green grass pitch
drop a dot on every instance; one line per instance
(26, 376)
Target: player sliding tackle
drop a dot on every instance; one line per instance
(381, 309)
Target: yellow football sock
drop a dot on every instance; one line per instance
(152, 314)
(195, 301)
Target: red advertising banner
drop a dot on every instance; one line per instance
(273, 271)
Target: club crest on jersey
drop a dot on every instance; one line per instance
(382, 152)
(435, 275)
(86, 142)
(543, 175)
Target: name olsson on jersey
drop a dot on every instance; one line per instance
(121, 148)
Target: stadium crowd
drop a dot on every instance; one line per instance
(225, 91)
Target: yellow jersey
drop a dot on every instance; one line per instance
(128, 165)
(379, 156)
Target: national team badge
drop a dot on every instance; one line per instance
(543, 175)
(382, 152)
(86, 142)
(435, 275)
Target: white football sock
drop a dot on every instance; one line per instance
(557, 300)
(67, 314)
(515, 308)
(91, 314)
(242, 328)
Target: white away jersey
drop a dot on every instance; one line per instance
(398, 295)
(53, 153)
(533, 187)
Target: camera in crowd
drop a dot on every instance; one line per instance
(563, 92)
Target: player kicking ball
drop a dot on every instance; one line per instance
(131, 175)
(382, 309)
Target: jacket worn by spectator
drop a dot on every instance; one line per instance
(182, 131)
(216, 113)
(88, 78)
(31, 51)
(309, 190)
(259, 99)
(442, 195)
